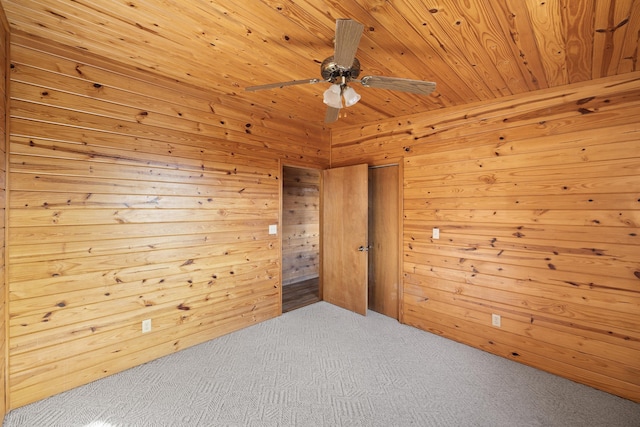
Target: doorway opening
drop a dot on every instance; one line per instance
(300, 237)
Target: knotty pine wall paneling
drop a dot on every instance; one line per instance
(4, 139)
(537, 198)
(300, 224)
(134, 198)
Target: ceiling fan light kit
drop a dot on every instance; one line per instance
(343, 68)
(351, 97)
(332, 96)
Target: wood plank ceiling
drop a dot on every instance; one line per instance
(476, 50)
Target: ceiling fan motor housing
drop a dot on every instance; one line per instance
(333, 73)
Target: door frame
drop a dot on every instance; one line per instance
(400, 163)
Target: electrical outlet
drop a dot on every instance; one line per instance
(146, 326)
(495, 320)
(273, 229)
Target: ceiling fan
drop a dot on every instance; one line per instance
(343, 68)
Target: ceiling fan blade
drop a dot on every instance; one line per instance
(332, 115)
(348, 33)
(395, 83)
(281, 84)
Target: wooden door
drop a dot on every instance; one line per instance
(384, 240)
(344, 237)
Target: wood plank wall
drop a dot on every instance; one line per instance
(134, 198)
(300, 224)
(4, 141)
(537, 198)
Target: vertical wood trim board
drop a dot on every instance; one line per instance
(4, 141)
(537, 200)
(300, 224)
(130, 200)
(401, 242)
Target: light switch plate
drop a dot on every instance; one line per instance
(496, 320)
(436, 233)
(146, 326)
(273, 229)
